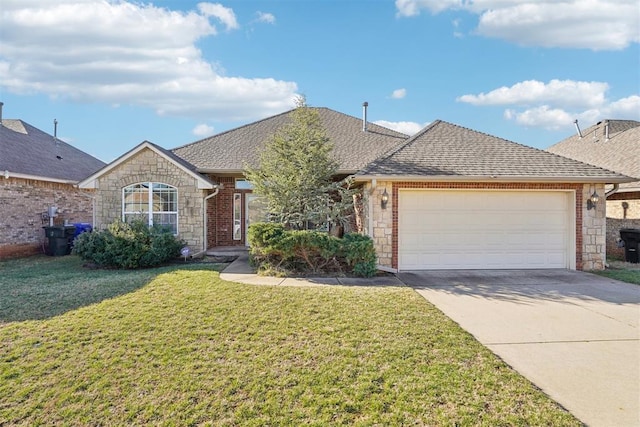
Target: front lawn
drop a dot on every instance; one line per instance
(179, 346)
(623, 271)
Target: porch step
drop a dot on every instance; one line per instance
(227, 251)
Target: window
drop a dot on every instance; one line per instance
(243, 184)
(237, 216)
(152, 202)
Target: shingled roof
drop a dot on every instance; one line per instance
(228, 152)
(446, 151)
(26, 150)
(620, 152)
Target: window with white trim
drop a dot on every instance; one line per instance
(152, 202)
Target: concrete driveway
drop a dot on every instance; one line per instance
(573, 334)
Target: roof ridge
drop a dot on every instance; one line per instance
(232, 130)
(399, 147)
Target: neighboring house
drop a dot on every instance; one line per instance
(614, 145)
(456, 198)
(38, 171)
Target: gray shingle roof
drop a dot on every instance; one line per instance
(27, 150)
(450, 151)
(620, 153)
(353, 148)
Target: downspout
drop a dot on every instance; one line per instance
(612, 191)
(93, 204)
(204, 219)
(374, 184)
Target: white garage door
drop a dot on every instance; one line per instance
(484, 229)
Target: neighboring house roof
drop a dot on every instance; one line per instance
(620, 153)
(228, 152)
(448, 152)
(28, 152)
(203, 181)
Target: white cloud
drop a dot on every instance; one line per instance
(125, 53)
(224, 14)
(203, 129)
(555, 105)
(588, 24)
(267, 18)
(556, 92)
(399, 93)
(408, 128)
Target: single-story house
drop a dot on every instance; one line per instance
(614, 145)
(448, 197)
(39, 171)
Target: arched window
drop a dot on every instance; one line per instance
(152, 202)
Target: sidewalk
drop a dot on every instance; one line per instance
(240, 271)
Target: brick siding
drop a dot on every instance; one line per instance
(22, 203)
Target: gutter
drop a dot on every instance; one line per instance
(494, 178)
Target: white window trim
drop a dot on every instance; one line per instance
(150, 211)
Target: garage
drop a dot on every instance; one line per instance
(485, 229)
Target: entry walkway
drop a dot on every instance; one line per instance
(575, 335)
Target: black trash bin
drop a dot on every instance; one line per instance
(631, 238)
(60, 238)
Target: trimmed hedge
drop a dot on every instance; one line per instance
(128, 245)
(274, 249)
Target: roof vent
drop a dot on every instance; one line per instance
(365, 104)
(55, 128)
(606, 130)
(575, 122)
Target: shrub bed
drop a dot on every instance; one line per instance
(128, 245)
(277, 250)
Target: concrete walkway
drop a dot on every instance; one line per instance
(575, 335)
(240, 271)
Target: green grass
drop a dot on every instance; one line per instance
(629, 276)
(179, 346)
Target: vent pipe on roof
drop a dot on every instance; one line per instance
(55, 128)
(364, 116)
(575, 122)
(606, 130)
(1, 104)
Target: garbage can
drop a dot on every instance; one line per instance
(631, 238)
(80, 227)
(59, 238)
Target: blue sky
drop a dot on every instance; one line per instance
(115, 73)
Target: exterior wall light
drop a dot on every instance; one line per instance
(384, 199)
(592, 201)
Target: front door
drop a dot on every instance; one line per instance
(256, 211)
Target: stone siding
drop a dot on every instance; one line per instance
(382, 224)
(624, 205)
(22, 203)
(148, 166)
(614, 225)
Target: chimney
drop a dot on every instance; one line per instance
(364, 116)
(575, 122)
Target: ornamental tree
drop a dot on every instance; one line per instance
(296, 175)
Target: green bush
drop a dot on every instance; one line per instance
(275, 249)
(128, 245)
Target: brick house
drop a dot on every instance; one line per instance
(532, 203)
(37, 171)
(614, 145)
